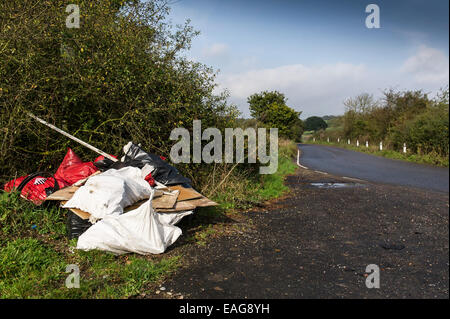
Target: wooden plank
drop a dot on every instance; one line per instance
(186, 193)
(166, 201)
(179, 206)
(65, 193)
(78, 212)
(202, 202)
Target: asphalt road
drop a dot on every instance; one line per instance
(317, 243)
(343, 162)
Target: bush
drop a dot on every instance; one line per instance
(119, 77)
(426, 133)
(315, 123)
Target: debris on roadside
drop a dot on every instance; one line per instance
(121, 206)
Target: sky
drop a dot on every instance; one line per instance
(318, 53)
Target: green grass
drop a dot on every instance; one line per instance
(243, 191)
(431, 159)
(34, 253)
(272, 185)
(27, 268)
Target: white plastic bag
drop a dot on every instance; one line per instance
(141, 231)
(110, 192)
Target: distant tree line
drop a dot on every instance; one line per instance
(410, 117)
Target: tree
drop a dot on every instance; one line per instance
(362, 103)
(285, 119)
(270, 110)
(259, 102)
(315, 123)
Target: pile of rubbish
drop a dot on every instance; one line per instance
(121, 206)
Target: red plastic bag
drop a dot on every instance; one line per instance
(72, 169)
(101, 158)
(150, 180)
(36, 189)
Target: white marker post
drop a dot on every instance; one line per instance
(348, 141)
(381, 146)
(367, 144)
(404, 147)
(328, 139)
(338, 139)
(357, 143)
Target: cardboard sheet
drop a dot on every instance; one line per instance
(186, 193)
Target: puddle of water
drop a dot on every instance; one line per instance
(336, 185)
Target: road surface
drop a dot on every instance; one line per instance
(317, 243)
(343, 162)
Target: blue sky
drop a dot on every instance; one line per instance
(319, 52)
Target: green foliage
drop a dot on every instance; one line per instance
(259, 102)
(121, 76)
(285, 119)
(315, 123)
(271, 111)
(424, 133)
(409, 117)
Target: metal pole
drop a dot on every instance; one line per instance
(73, 138)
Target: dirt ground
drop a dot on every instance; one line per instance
(316, 243)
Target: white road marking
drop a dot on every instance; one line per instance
(298, 160)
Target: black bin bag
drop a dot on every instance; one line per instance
(76, 225)
(163, 173)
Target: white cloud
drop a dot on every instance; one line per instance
(313, 90)
(428, 66)
(320, 90)
(216, 50)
